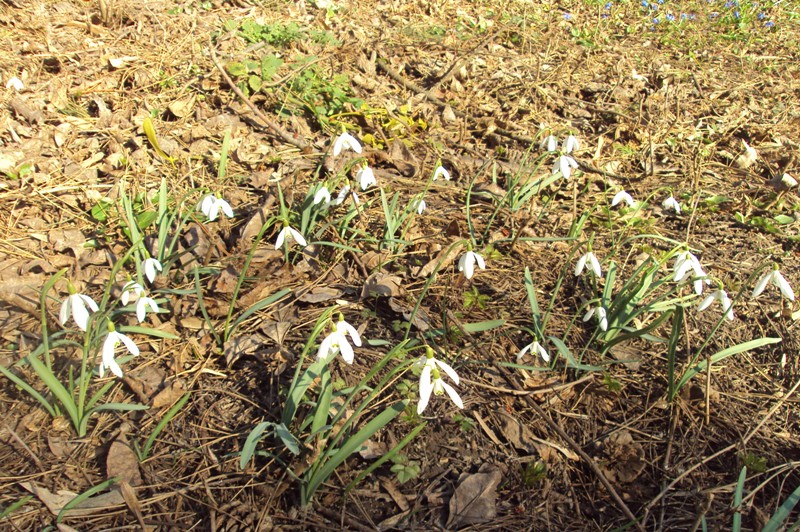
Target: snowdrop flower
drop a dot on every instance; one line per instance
(430, 381)
(721, 296)
(564, 164)
(687, 261)
(671, 204)
(366, 177)
(150, 266)
(142, 305)
(212, 205)
(322, 196)
(15, 83)
(549, 143)
(534, 347)
(441, 172)
(295, 234)
(131, 287)
(336, 341)
(420, 206)
(467, 262)
(570, 144)
(76, 304)
(601, 314)
(775, 277)
(594, 264)
(343, 195)
(345, 141)
(109, 348)
(621, 196)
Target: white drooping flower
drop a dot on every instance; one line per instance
(150, 267)
(600, 313)
(142, 307)
(466, 263)
(536, 348)
(322, 196)
(591, 260)
(293, 233)
(343, 196)
(721, 296)
(131, 287)
(420, 206)
(430, 381)
(570, 144)
(441, 172)
(671, 204)
(686, 261)
(336, 341)
(76, 305)
(549, 143)
(775, 277)
(621, 196)
(109, 349)
(366, 177)
(212, 205)
(15, 83)
(345, 141)
(564, 164)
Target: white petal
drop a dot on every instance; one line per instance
(762, 284)
(589, 314)
(699, 285)
(349, 329)
(150, 265)
(132, 347)
(63, 315)
(281, 237)
(595, 264)
(542, 352)
(453, 395)
(226, 208)
(298, 237)
(79, 312)
(346, 350)
(210, 208)
(523, 351)
(581, 265)
(783, 285)
(549, 143)
(681, 269)
(448, 370)
(425, 389)
(421, 206)
(706, 302)
(480, 261)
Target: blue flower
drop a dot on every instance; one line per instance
(762, 16)
(567, 16)
(670, 17)
(645, 3)
(769, 24)
(608, 5)
(656, 21)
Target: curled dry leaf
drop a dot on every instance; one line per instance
(381, 284)
(474, 500)
(121, 462)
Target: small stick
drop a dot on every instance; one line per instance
(280, 132)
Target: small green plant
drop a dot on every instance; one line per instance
(533, 473)
(465, 423)
(473, 298)
(405, 469)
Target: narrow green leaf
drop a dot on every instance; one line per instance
(250, 443)
(171, 413)
(722, 355)
(29, 389)
(482, 326)
(352, 444)
(783, 512)
(737, 501)
(83, 496)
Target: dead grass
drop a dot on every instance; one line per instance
(659, 109)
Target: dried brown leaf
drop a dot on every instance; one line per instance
(474, 500)
(122, 462)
